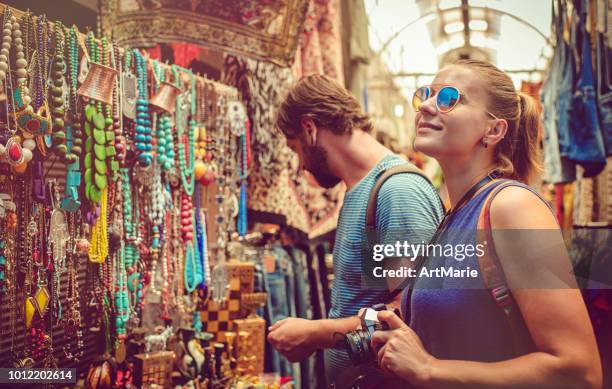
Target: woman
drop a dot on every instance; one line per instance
(485, 136)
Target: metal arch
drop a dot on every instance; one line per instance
(485, 9)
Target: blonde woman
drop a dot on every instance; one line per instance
(485, 136)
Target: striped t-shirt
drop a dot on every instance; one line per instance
(407, 205)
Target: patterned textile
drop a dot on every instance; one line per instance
(264, 29)
(321, 46)
(275, 184)
(593, 201)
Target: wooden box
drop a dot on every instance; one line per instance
(153, 368)
(253, 362)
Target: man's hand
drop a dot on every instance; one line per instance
(295, 338)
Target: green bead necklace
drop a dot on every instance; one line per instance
(165, 142)
(132, 255)
(58, 99)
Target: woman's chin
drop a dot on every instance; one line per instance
(428, 147)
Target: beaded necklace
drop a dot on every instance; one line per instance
(74, 136)
(200, 223)
(165, 142)
(185, 141)
(40, 76)
(131, 250)
(239, 125)
(95, 126)
(98, 250)
(120, 146)
(109, 121)
(58, 99)
(143, 121)
(71, 319)
(122, 305)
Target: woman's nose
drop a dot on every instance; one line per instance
(428, 106)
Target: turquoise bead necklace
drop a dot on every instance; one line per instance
(165, 142)
(122, 303)
(132, 254)
(143, 120)
(243, 175)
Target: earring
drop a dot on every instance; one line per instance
(484, 141)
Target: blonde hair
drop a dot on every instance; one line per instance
(326, 102)
(518, 154)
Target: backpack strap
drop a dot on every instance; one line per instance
(383, 176)
(493, 274)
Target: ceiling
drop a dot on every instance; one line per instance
(415, 37)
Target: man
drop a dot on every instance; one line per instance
(325, 126)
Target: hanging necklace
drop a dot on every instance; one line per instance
(71, 319)
(74, 136)
(185, 142)
(111, 121)
(122, 305)
(58, 99)
(129, 86)
(95, 157)
(165, 142)
(143, 120)
(239, 128)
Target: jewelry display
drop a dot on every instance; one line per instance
(108, 155)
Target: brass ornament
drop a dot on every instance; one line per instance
(165, 98)
(99, 83)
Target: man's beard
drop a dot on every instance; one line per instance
(317, 166)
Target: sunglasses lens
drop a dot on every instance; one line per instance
(420, 96)
(447, 98)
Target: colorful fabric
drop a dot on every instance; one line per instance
(321, 46)
(275, 184)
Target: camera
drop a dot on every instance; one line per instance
(358, 343)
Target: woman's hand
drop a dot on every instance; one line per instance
(400, 351)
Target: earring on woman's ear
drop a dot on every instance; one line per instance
(484, 141)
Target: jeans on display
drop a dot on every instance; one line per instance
(555, 97)
(604, 84)
(278, 308)
(293, 287)
(303, 308)
(586, 145)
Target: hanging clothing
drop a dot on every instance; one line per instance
(356, 49)
(586, 146)
(555, 97)
(320, 48)
(604, 70)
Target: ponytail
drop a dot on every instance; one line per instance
(518, 154)
(526, 153)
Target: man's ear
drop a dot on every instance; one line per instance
(496, 133)
(310, 130)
